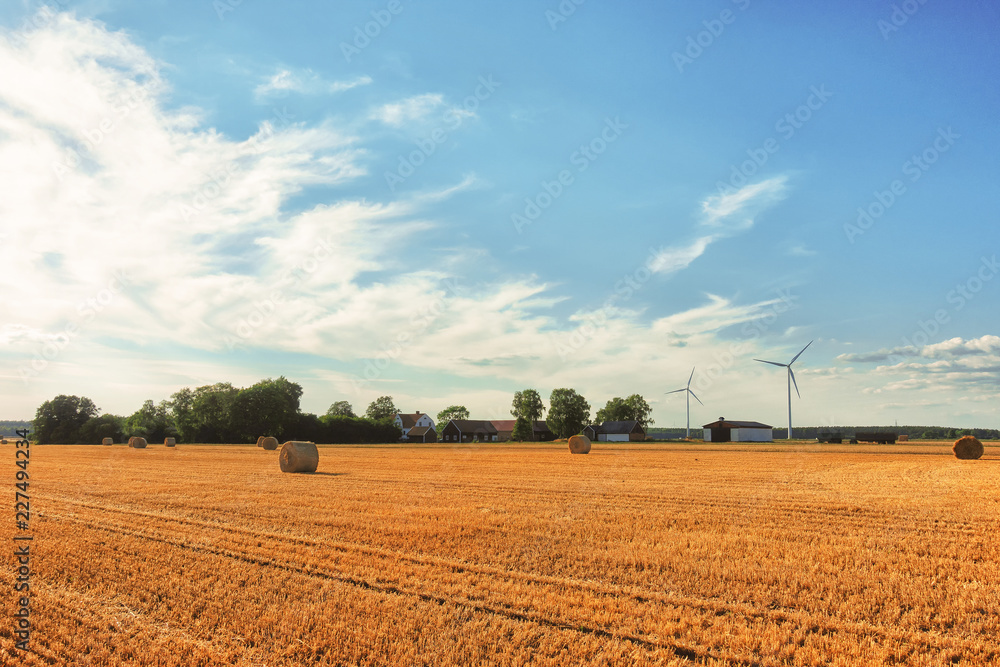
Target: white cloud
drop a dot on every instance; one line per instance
(673, 259)
(728, 214)
(418, 109)
(304, 82)
(735, 210)
(801, 251)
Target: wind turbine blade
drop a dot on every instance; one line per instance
(674, 391)
(773, 363)
(794, 382)
(695, 397)
(799, 354)
(689, 379)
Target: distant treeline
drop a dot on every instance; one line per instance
(218, 413)
(8, 427)
(812, 432)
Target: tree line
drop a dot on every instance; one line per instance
(222, 413)
(217, 413)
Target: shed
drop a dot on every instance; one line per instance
(422, 434)
(725, 430)
(617, 431)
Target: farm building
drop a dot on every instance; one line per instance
(734, 431)
(421, 434)
(505, 427)
(406, 421)
(621, 431)
(469, 430)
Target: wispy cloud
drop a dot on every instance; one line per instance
(417, 109)
(736, 210)
(988, 345)
(801, 251)
(676, 258)
(303, 82)
(726, 214)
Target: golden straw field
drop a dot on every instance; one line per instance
(635, 554)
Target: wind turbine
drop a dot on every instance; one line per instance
(689, 395)
(791, 381)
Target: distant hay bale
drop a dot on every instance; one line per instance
(269, 443)
(297, 456)
(260, 439)
(170, 442)
(107, 441)
(3, 441)
(579, 444)
(968, 447)
(136, 442)
(903, 438)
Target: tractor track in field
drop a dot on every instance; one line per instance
(708, 607)
(680, 650)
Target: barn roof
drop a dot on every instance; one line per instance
(420, 430)
(617, 427)
(508, 425)
(473, 426)
(728, 423)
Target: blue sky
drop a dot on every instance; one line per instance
(470, 200)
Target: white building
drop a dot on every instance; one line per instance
(406, 421)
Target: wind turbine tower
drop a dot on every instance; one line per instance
(791, 381)
(690, 393)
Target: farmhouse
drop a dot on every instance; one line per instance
(469, 430)
(734, 431)
(505, 427)
(405, 422)
(619, 431)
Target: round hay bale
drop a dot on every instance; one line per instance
(968, 447)
(3, 442)
(107, 441)
(260, 439)
(296, 456)
(269, 443)
(136, 442)
(579, 444)
(170, 442)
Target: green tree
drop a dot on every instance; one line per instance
(613, 411)
(522, 431)
(527, 404)
(341, 409)
(95, 429)
(381, 408)
(58, 421)
(269, 407)
(568, 412)
(452, 412)
(633, 408)
(203, 415)
(152, 422)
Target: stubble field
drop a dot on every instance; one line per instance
(511, 554)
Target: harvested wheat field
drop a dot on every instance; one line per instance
(511, 554)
